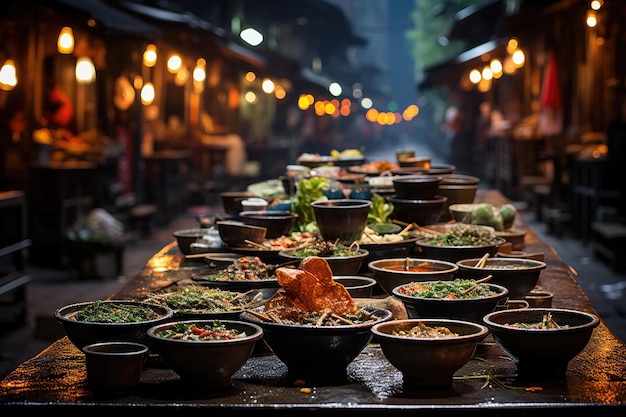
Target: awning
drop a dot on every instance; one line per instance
(186, 18)
(478, 23)
(452, 70)
(110, 17)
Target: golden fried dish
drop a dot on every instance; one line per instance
(310, 288)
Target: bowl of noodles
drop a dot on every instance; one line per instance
(428, 351)
(313, 325)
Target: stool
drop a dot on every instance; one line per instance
(527, 182)
(540, 192)
(84, 257)
(609, 240)
(141, 218)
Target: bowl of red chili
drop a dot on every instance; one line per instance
(392, 272)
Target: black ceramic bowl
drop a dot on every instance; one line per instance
(83, 333)
(454, 253)
(340, 265)
(392, 272)
(428, 362)
(518, 275)
(342, 219)
(419, 211)
(185, 237)
(277, 223)
(469, 309)
(209, 364)
(541, 352)
(231, 200)
(416, 187)
(357, 286)
(318, 355)
(236, 234)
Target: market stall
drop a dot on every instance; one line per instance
(55, 380)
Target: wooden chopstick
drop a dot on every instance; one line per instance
(473, 287)
(258, 245)
(481, 263)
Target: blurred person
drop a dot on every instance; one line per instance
(213, 133)
(457, 137)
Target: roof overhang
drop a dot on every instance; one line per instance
(112, 18)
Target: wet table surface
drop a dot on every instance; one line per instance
(55, 379)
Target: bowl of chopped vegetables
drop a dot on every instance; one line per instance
(205, 353)
(343, 260)
(455, 241)
(90, 322)
(541, 341)
(428, 351)
(459, 299)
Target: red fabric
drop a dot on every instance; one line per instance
(63, 114)
(550, 91)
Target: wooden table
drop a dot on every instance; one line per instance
(55, 379)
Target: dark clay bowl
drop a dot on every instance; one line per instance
(416, 187)
(428, 362)
(343, 219)
(277, 223)
(418, 211)
(518, 275)
(452, 253)
(82, 333)
(357, 286)
(541, 353)
(318, 355)
(469, 309)
(209, 364)
(340, 265)
(235, 233)
(390, 273)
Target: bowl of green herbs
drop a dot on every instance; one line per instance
(453, 242)
(90, 322)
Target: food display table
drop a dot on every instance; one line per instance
(55, 379)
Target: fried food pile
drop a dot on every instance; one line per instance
(310, 288)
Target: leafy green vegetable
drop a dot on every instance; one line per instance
(380, 209)
(308, 191)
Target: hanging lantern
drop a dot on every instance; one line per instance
(65, 42)
(8, 75)
(85, 70)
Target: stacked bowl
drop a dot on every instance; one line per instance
(458, 189)
(416, 199)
